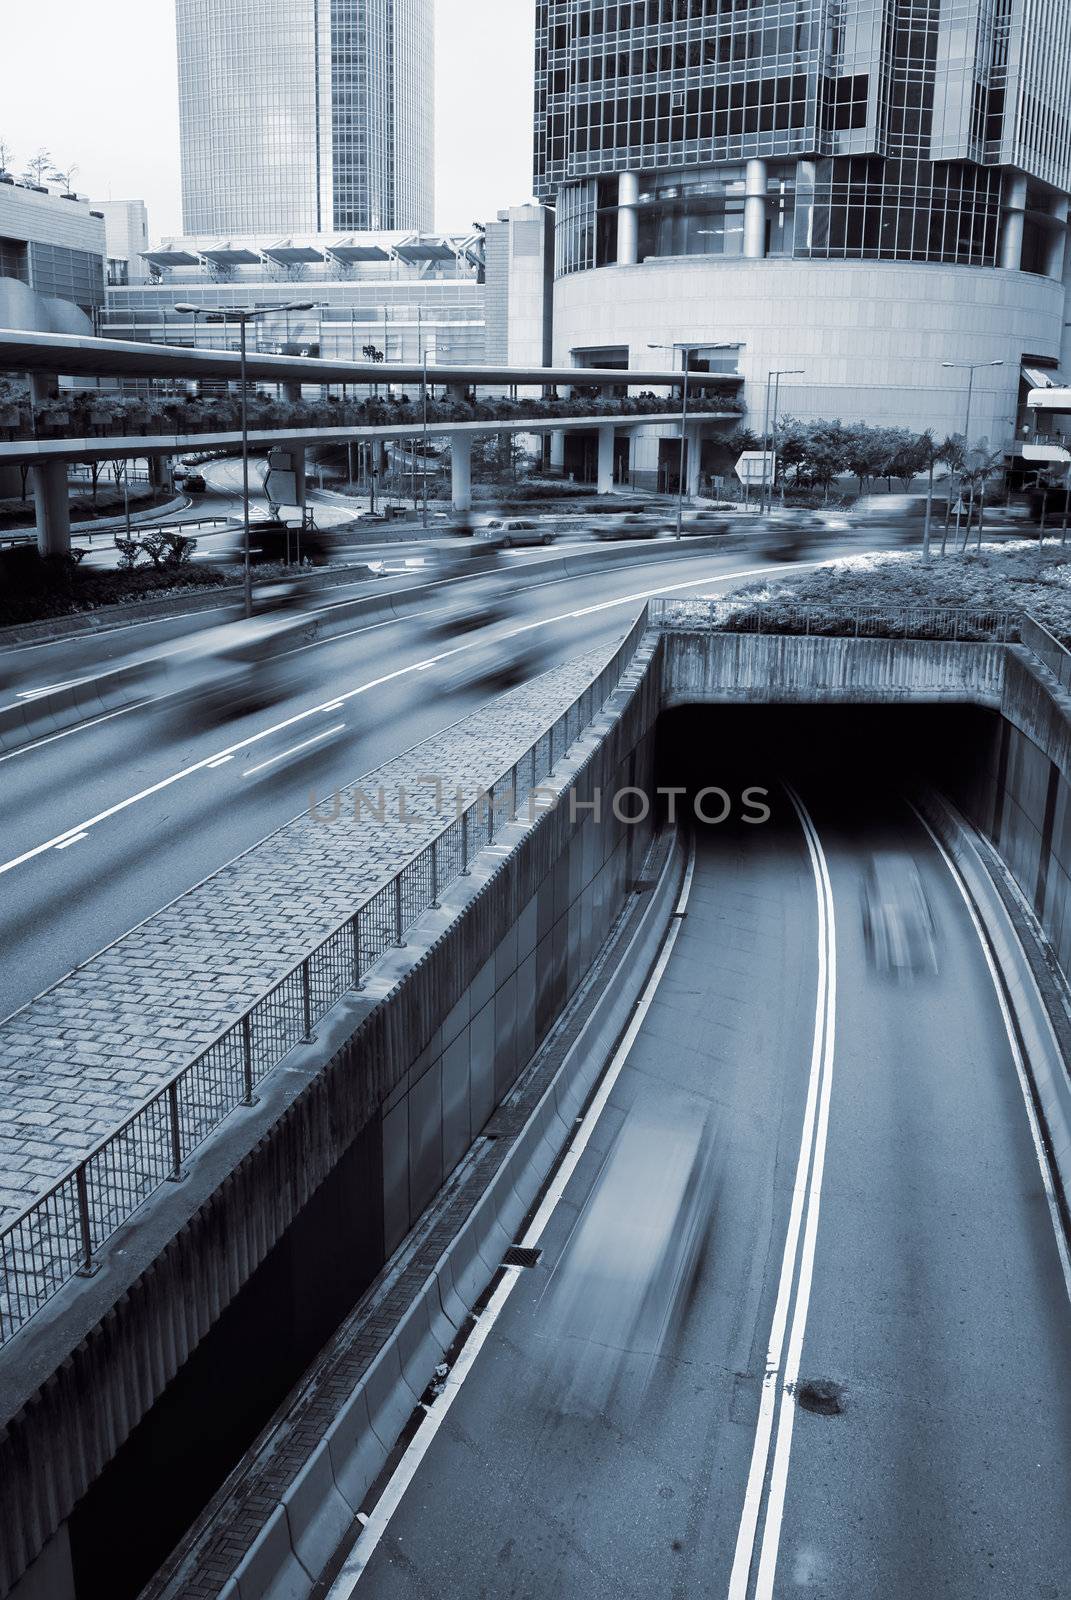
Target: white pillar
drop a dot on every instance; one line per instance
(461, 471)
(691, 462)
(53, 508)
(628, 194)
(557, 450)
(1013, 207)
(755, 210)
(1054, 265)
(605, 483)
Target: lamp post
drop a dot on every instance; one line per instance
(244, 315)
(775, 375)
(424, 442)
(972, 367)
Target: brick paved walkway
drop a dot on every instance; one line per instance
(75, 1062)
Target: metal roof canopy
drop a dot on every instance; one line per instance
(425, 250)
(289, 255)
(170, 258)
(75, 355)
(358, 252)
(232, 256)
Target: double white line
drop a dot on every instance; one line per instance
(766, 1482)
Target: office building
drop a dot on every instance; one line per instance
(126, 228)
(52, 253)
(402, 295)
(863, 193)
(305, 116)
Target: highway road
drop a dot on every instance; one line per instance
(104, 824)
(817, 1343)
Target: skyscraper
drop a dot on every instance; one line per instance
(722, 151)
(302, 116)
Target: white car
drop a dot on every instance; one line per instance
(515, 531)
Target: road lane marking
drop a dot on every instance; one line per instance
(1014, 1046)
(317, 738)
(780, 1371)
(73, 840)
(377, 1522)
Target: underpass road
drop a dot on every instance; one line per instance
(571, 1464)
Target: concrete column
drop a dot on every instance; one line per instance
(692, 457)
(1054, 264)
(1013, 206)
(605, 482)
(557, 450)
(379, 456)
(461, 471)
(755, 210)
(291, 392)
(628, 194)
(52, 507)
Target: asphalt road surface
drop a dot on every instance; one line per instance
(103, 825)
(865, 1388)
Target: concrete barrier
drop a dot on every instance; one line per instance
(1043, 1057)
(306, 1528)
(24, 721)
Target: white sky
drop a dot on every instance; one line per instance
(93, 82)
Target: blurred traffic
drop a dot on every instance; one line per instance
(898, 921)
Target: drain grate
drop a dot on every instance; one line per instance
(518, 1256)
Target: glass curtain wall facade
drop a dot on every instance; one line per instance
(302, 116)
(910, 130)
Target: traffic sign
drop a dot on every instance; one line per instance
(283, 484)
(756, 466)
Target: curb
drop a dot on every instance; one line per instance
(1011, 931)
(305, 1528)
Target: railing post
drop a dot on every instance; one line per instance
(464, 873)
(515, 780)
(355, 930)
(87, 1266)
(535, 780)
(433, 904)
(491, 814)
(176, 1174)
(248, 1097)
(399, 931)
(306, 1000)
(955, 625)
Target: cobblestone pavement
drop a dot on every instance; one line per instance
(79, 1059)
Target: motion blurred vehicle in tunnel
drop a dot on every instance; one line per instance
(621, 1288)
(898, 921)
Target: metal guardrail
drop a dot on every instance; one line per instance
(57, 1237)
(830, 620)
(1048, 650)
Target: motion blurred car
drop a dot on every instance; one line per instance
(194, 483)
(622, 1286)
(239, 666)
(898, 922)
(515, 531)
(702, 522)
(627, 525)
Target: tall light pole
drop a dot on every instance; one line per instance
(972, 367)
(424, 442)
(244, 315)
(774, 375)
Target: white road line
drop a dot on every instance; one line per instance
(1016, 1052)
(72, 840)
(220, 761)
(317, 738)
(798, 1251)
(391, 1498)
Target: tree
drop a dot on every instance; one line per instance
(5, 155)
(952, 451)
(817, 451)
(39, 165)
(58, 175)
(865, 452)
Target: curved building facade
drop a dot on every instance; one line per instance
(862, 191)
(306, 116)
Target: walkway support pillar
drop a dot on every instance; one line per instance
(1013, 211)
(557, 450)
(755, 210)
(692, 462)
(461, 471)
(628, 194)
(292, 393)
(605, 482)
(53, 508)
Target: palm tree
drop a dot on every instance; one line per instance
(980, 465)
(952, 451)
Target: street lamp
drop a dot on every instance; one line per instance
(243, 315)
(776, 373)
(972, 367)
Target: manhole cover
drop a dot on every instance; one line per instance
(820, 1396)
(518, 1256)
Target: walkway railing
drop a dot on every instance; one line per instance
(1047, 649)
(829, 620)
(59, 1235)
